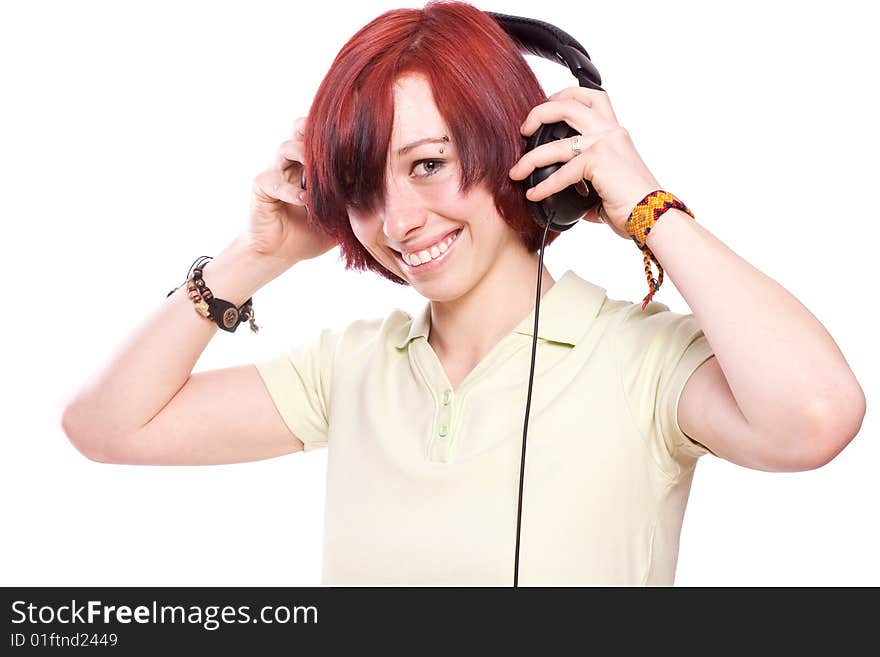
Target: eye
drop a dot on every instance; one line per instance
(431, 166)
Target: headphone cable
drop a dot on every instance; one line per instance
(522, 465)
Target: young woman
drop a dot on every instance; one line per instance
(412, 157)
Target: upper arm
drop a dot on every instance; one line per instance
(218, 416)
(708, 414)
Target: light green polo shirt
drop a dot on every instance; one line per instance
(423, 480)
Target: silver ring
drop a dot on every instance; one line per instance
(576, 144)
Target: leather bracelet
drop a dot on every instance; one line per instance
(223, 313)
(641, 220)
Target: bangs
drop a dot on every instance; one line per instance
(482, 87)
(360, 141)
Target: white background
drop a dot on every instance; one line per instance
(131, 132)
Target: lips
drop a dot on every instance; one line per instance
(434, 262)
(428, 247)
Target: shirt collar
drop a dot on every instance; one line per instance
(565, 314)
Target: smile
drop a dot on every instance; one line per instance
(429, 259)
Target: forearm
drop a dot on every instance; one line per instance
(783, 368)
(155, 360)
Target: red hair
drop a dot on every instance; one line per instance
(482, 86)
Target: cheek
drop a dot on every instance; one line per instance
(363, 228)
(368, 232)
(446, 199)
(477, 208)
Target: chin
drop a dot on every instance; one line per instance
(440, 289)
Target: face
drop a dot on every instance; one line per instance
(423, 207)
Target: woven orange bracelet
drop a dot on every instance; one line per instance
(641, 220)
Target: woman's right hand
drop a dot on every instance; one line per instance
(279, 225)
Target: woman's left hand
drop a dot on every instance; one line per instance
(608, 158)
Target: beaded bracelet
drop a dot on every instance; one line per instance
(643, 217)
(220, 311)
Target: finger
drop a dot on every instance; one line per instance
(289, 152)
(272, 185)
(290, 169)
(592, 98)
(574, 113)
(556, 151)
(299, 128)
(570, 173)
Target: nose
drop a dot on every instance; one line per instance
(403, 213)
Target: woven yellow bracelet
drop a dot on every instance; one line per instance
(641, 220)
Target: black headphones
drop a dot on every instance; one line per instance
(536, 37)
(562, 210)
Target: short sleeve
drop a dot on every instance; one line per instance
(659, 350)
(298, 380)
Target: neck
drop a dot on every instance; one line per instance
(465, 329)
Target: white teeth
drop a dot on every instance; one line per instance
(423, 256)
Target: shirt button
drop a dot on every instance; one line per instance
(447, 397)
(444, 429)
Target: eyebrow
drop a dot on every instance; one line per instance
(426, 140)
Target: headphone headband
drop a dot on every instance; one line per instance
(548, 41)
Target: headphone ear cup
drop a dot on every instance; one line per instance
(569, 204)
